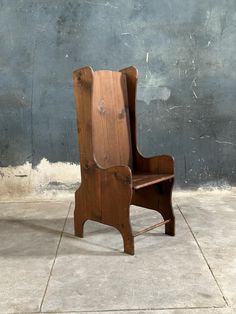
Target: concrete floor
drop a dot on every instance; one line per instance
(44, 268)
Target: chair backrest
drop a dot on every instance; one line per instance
(111, 138)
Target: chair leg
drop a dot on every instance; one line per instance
(79, 216)
(79, 225)
(128, 239)
(170, 227)
(116, 217)
(165, 207)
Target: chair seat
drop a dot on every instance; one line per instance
(141, 180)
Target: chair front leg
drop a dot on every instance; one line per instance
(128, 238)
(80, 213)
(116, 197)
(165, 205)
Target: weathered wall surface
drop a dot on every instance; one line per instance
(185, 53)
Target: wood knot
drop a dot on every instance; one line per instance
(105, 158)
(121, 114)
(88, 165)
(83, 81)
(101, 107)
(123, 178)
(80, 76)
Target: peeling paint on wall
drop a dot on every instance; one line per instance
(47, 180)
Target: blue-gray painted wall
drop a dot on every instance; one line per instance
(185, 51)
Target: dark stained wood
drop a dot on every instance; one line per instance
(114, 173)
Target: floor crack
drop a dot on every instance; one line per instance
(53, 263)
(203, 255)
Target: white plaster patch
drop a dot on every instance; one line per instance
(214, 21)
(153, 88)
(163, 93)
(220, 185)
(47, 180)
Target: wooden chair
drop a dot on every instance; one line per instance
(114, 172)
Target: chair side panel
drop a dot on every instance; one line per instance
(83, 86)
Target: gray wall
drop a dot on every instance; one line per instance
(185, 51)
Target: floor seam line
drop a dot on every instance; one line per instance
(54, 260)
(204, 257)
(135, 310)
(122, 310)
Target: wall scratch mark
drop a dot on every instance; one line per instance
(225, 142)
(106, 4)
(123, 34)
(185, 167)
(174, 107)
(194, 93)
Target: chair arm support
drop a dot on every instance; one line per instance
(114, 187)
(105, 194)
(162, 164)
(106, 182)
(122, 174)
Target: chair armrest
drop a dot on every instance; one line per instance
(162, 164)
